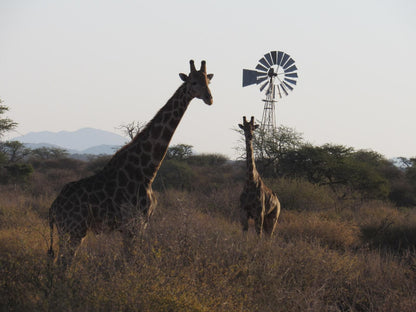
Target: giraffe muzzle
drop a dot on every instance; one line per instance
(208, 98)
(208, 101)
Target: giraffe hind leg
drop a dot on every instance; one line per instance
(270, 223)
(68, 245)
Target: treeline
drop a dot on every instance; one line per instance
(349, 173)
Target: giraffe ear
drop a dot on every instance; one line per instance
(209, 76)
(241, 126)
(183, 77)
(255, 127)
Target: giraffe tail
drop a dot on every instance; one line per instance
(51, 253)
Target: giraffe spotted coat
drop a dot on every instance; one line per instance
(122, 191)
(257, 201)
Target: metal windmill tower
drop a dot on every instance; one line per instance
(276, 73)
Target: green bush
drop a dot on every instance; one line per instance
(173, 174)
(298, 194)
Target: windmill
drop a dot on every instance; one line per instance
(276, 73)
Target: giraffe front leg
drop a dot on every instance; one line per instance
(128, 243)
(68, 245)
(258, 224)
(244, 220)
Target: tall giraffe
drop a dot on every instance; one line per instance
(257, 201)
(122, 191)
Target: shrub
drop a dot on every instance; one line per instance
(193, 257)
(302, 195)
(395, 231)
(173, 174)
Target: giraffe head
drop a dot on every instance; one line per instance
(197, 82)
(248, 127)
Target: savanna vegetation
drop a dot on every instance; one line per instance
(346, 239)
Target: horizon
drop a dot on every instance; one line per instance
(194, 151)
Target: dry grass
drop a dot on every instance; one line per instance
(193, 257)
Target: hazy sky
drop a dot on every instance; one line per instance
(66, 65)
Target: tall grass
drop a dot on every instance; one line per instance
(194, 257)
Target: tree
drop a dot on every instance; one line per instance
(344, 170)
(401, 173)
(15, 173)
(49, 153)
(179, 152)
(12, 170)
(14, 151)
(131, 129)
(270, 147)
(6, 124)
(173, 173)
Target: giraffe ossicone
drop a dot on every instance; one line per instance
(121, 192)
(257, 201)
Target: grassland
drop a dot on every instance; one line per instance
(327, 256)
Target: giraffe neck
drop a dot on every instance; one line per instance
(252, 174)
(142, 157)
(158, 133)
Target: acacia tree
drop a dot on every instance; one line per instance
(343, 169)
(179, 151)
(6, 124)
(14, 151)
(12, 170)
(270, 147)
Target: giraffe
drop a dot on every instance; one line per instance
(257, 201)
(122, 191)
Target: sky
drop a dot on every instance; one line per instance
(65, 65)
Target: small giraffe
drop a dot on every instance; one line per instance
(257, 201)
(122, 191)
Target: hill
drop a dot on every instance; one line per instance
(82, 141)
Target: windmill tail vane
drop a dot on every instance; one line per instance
(276, 73)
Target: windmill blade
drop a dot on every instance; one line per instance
(284, 59)
(264, 86)
(274, 57)
(283, 88)
(279, 57)
(288, 63)
(261, 79)
(278, 90)
(249, 77)
(291, 69)
(261, 68)
(288, 86)
(290, 81)
(268, 58)
(292, 75)
(264, 62)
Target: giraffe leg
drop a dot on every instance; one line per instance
(270, 223)
(274, 226)
(244, 219)
(68, 244)
(275, 216)
(128, 242)
(258, 224)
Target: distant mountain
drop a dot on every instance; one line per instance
(101, 149)
(82, 141)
